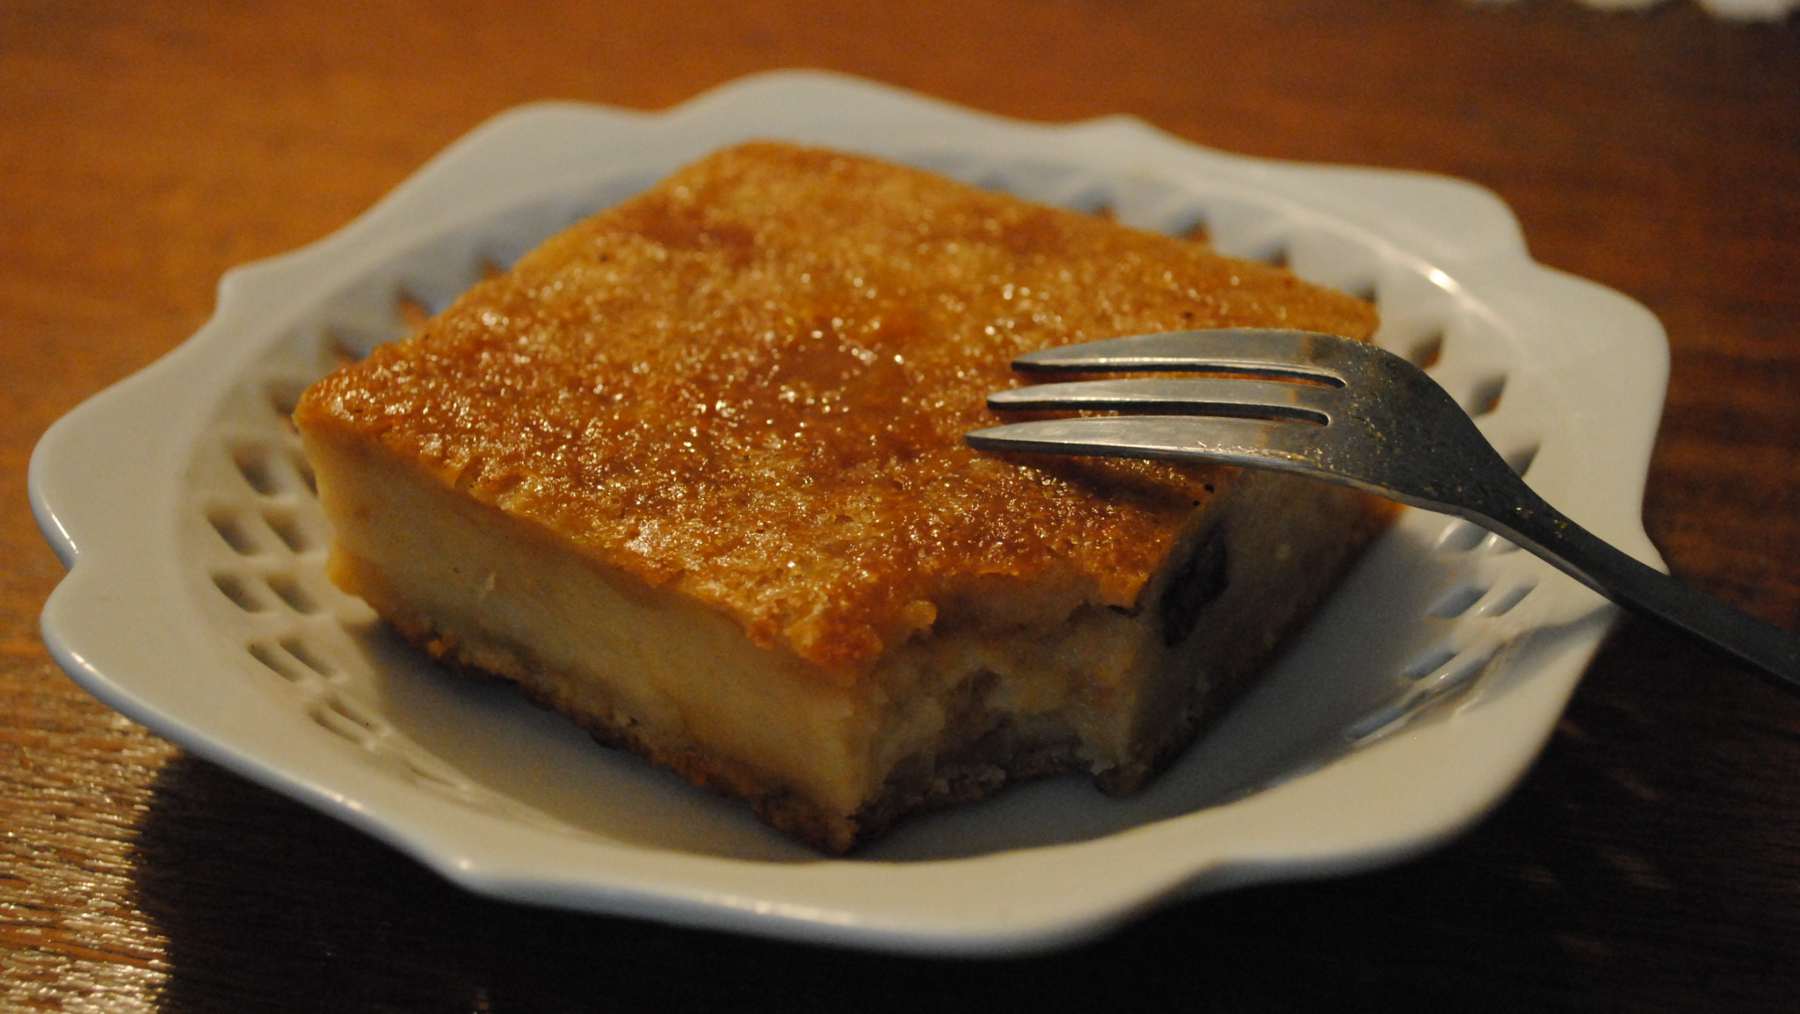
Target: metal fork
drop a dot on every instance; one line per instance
(1347, 412)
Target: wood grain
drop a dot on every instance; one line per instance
(1652, 857)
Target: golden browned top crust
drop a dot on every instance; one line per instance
(750, 385)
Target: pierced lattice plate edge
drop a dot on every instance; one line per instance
(103, 626)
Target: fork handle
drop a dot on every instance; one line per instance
(1575, 551)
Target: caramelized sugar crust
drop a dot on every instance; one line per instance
(750, 384)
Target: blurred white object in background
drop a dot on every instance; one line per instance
(1736, 10)
(1751, 10)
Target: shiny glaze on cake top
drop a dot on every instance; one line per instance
(749, 385)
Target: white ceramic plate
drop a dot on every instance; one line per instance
(196, 603)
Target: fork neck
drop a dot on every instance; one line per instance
(1547, 532)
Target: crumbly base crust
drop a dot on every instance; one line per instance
(774, 803)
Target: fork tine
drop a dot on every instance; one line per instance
(1228, 439)
(1261, 398)
(1259, 351)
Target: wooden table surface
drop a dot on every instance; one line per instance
(1650, 860)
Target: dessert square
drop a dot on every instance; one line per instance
(692, 473)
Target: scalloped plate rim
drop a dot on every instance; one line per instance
(688, 892)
